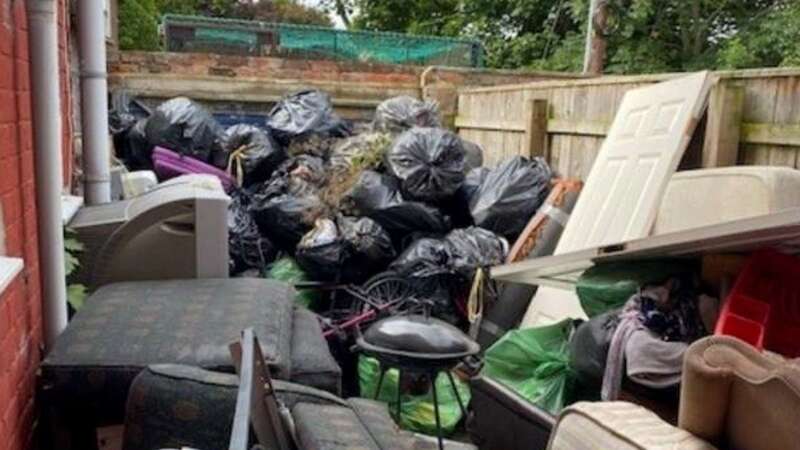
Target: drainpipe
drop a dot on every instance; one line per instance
(46, 110)
(94, 102)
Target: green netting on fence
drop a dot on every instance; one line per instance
(192, 33)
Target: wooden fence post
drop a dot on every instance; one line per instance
(535, 128)
(724, 121)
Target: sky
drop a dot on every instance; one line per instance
(337, 22)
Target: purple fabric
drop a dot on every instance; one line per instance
(629, 322)
(168, 164)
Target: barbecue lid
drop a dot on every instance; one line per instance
(418, 335)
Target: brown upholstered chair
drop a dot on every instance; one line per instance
(732, 397)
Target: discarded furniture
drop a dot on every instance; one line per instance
(186, 406)
(503, 419)
(780, 230)
(620, 199)
(125, 327)
(176, 230)
(173, 404)
(696, 198)
(586, 425)
(420, 345)
(732, 396)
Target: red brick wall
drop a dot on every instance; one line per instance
(20, 304)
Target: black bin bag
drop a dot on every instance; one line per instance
(253, 154)
(459, 254)
(472, 248)
(348, 249)
(322, 252)
(306, 115)
(285, 208)
(186, 127)
(473, 155)
(305, 167)
(247, 248)
(370, 246)
(429, 162)
(424, 258)
(132, 147)
(509, 194)
(378, 197)
(403, 112)
(588, 348)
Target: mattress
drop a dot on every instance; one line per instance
(697, 198)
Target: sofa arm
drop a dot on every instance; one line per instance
(705, 387)
(618, 425)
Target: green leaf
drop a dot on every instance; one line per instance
(70, 263)
(73, 245)
(76, 295)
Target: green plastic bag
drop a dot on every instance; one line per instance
(608, 286)
(286, 269)
(534, 363)
(417, 413)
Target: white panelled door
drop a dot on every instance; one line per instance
(650, 133)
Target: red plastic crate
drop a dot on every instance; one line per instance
(763, 308)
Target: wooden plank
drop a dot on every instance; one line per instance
(747, 74)
(771, 134)
(759, 107)
(489, 124)
(724, 118)
(751, 133)
(535, 140)
(580, 113)
(580, 128)
(784, 113)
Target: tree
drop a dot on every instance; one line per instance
(641, 35)
(138, 25)
(139, 19)
(771, 40)
(211, 8)
(285, 11)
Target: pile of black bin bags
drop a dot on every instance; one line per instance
(402, 194)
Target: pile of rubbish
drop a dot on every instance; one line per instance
(403, 195)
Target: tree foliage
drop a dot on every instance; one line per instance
(771, 40)
(285, 11)
(643, 35)
(138, 25)
(138, 19)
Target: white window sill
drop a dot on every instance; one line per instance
(9, 269)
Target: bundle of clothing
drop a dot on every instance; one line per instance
(646, 338)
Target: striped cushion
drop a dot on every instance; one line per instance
(621, 426)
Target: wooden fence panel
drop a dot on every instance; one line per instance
(579, 113)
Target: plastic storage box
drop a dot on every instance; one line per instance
(763, 308)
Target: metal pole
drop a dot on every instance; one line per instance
(94, 102)
(43, 35)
